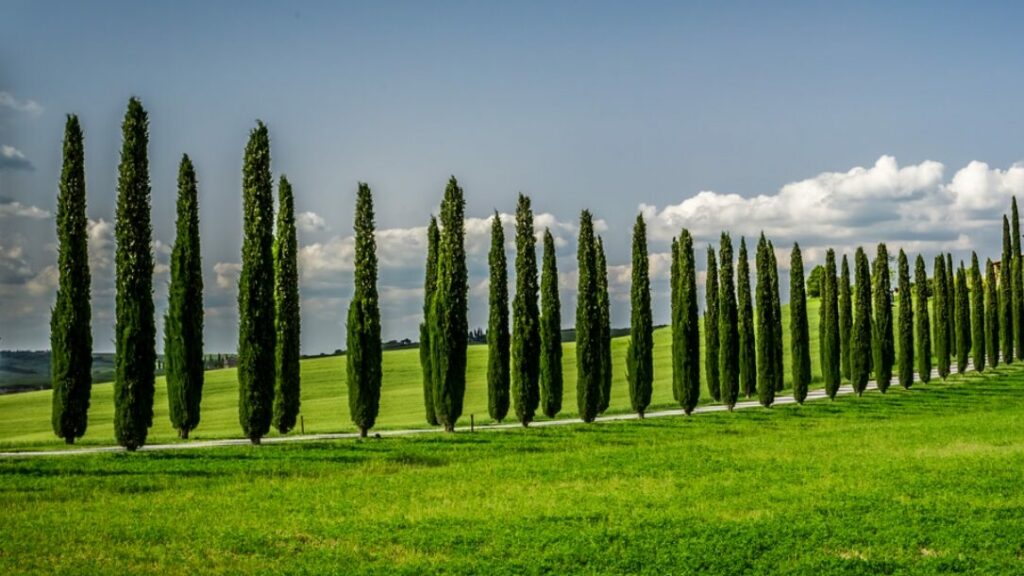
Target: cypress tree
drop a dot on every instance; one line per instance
(550, 332)
(364, 346)
(941, 314)
(728, 333)
(588, 324)
(1015, 269)
(640, 353)
(525, 318)
(963, 320)
(604, 308)
(689, 327)
(256, 332)
(799, 336)
(70, 318)
(773, 269)
(183, 324)
(905, 332)
(135, 332)
(676, 318)
(951, 305)
(449, 326)
(429, 286)
(1006, 295)
(924, 340)
(845, 320)
(991, 315)
(765, 327)
(287, 394)
(748, 354)
(977, 315)
(883, 347)
(861, 345)
(497, 326)
(711, 343)
(830, 344)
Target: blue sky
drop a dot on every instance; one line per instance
(832, 124)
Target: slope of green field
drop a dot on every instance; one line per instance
(25, 418)
(923, 481)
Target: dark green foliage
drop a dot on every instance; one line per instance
(550, 332)
(604, 310)
(183, 323)
(711, 343)
(1015, 268)
(70, 318)
(364, 345)
(963, 320)
(256, 308)
(991, 315)
(588, 324)
(766, 319)
(815, 282)
(135, 332)
(287, 394)
(923, 353)
(429, 286)
(1007, 320)
(449, 326)
(497, 326)
(686, 327)
(640, 353)
(728, 333)
(800, 343)
(831, 369)
(977, 315)
(748, 354)
(883, 349)
(951, 305)
(905, 324)
(676, 318)
(525, 318)
(773, 269)
(845, 320)
(861, 336)
(941, 315)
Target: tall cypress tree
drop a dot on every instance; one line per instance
(777, 341)
(1017, 282)
(70, 318)
(861, 345)
(525, 318)
(765, 327)
(748, 354)
(905, 332)
(183, 324)
(364, 346)
(429, 286)
(688, 325)
(951, 305)
(924, 340)
(256, 308)
(991, 315)
(676, 318)
(977, 315)
(883, 351)
(941, 314)
(497, 326)
(845, 319)
(135, 333)
(711, 343)
(830, 343)
(1006, 295)
(728, 333)
(588, 324)
(963, 320)
(604, 309)
(640, 353)
(550, 332)
(449, 326)
(799, 337)
(287, 394)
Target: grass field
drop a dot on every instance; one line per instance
(25, 417)
(925, 481)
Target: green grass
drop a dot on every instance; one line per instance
(924, 481)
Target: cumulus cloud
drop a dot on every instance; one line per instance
(30, 107)
(13, 159)
(310, 222)
(227, 274)
(14, 209)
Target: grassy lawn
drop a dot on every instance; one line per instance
(924, 481)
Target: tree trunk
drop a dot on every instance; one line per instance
(362, 432)
(255, 440)
(183, 434)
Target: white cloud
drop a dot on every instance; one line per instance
(30, 107)
(227, 274)
(310, 222)
(14, 209)
(13, 159)
(977, 187)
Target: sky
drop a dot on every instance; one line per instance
(828, 124)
